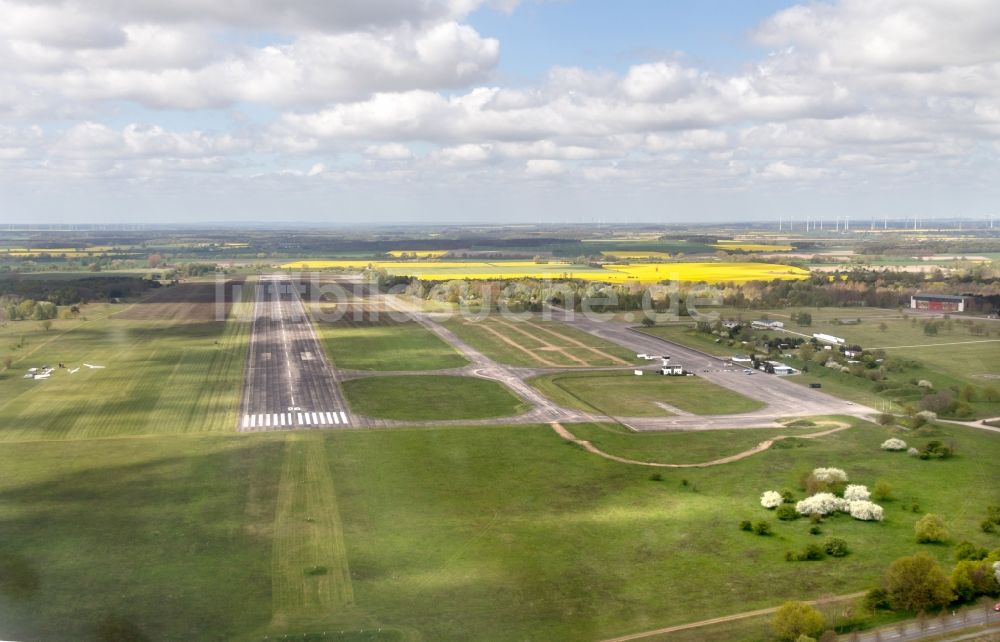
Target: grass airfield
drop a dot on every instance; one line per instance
(160, 374)
(128, 504)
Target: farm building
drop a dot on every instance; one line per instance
(741, 358)
(938, 302)
(767, 325)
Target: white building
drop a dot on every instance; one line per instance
(767, 325)
(669, 370)
(782, 369)
(829, 338)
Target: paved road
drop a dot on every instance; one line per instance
(288, 382)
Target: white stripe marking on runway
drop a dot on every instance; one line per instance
(300, 418)
(343, 416)
(253, 421)
(329, 418)
(322, 419)
(281, 418)
(336, 419)
(267, 420)
(246, 421)
(315, 421)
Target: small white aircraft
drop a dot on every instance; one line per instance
(90, 366)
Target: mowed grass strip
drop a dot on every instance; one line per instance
(429, 397)
(310, 577)
(536, 343)
(386, 345)
(508, 533)
(622, 394)
(162, 538)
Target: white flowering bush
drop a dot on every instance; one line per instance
(865, 510)
(856, 492)
(912, 451)
(821, 504)
(996, 571)
(771, 499)
(927, 415)
(927, 385)
(893, 444)
(829, 475)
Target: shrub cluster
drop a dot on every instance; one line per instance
(771, 499)
(856, 492)
(827, 503)
(865, 510)
(821, 504)
(761, 527)
(893, 444)
(834, 547)
(992, 520)
(936, 450)
(830, 475)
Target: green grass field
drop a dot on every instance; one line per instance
(386, 346)
(488, 554)
(428, 397)
(678, 447)
(537, 343)
(158, 376)
(622, 394)
(167, 537)
(490, 533)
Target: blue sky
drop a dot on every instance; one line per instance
(459, 111)
(613, 35)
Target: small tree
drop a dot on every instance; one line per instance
(917, 583)
(836, 547)
(47, 325)
(793, 619)
(882, 490)
(930, 529)
(885, 418)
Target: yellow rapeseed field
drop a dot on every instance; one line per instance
(633, 272)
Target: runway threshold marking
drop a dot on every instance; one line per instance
(290, 419)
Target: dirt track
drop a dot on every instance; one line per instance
(761, 447)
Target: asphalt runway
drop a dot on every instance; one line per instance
(288, 382)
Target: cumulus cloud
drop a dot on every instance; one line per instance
(322, 15)
(849, 93)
